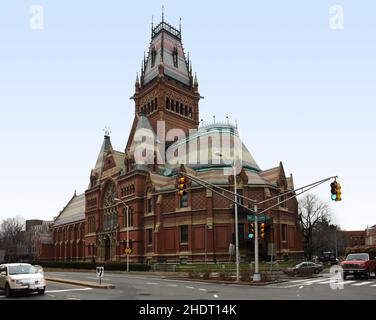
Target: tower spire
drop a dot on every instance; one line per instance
(152, 25)
(162, 13)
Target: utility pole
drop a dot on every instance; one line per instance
(236, 227)
(256, 276)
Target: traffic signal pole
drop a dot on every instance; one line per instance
(255, 212)
(256, 276)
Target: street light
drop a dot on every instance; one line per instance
(127, 210)
(236, 220)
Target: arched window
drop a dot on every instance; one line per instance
(167, 103)
(172, 105)
(175, 57)
(153, 55)
(109, 207)
(130, 213)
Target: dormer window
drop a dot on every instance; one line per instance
(153, 55)
(175, 56)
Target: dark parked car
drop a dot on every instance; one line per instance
(305, 268)
(328, 258)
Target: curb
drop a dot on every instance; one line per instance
(254, 284)
(82, 283)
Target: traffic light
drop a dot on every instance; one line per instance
(338, 193)
(182, 188)
(262, 230)
(333, 186)
(251, 231)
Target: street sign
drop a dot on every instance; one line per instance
(271, 249)
(128, 251)
(100, 272)
(260, 218)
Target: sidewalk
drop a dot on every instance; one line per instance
(89, 284)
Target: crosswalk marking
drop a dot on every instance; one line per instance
(335, 281)
(301, 280)
(313, 281)
(362, 283)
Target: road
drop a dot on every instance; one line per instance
(145, 287)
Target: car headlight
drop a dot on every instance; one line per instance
(19, 282)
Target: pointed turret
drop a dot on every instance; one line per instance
(137, 83)
(195, 83)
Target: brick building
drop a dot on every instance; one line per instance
(163, 226)
(371, 236)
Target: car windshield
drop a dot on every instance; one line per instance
(21, 269)
(358, 256)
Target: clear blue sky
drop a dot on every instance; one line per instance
(302, 93)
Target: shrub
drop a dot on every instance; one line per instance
(92, 265)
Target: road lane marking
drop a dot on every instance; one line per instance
(374, 285)
(216, 296)
(339, 282)
(362, 283)
(103, 279)
(190, 287)
(152, 283)
(172, 285)
(202, 289)
(67, 290)
(51, 295)
(73, 299)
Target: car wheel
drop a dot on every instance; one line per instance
(296, 272)
(317, 271)
(41, 291)
(8, 291)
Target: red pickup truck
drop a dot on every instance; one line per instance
(362, 263)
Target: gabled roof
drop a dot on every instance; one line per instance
(271, 175)
(142, 129)
(106, 147)
(74, 211)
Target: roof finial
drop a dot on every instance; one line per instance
(202, 122)
(214, 118)
(162, 13)
(137, 80)
(152, 25)
(227, 119)
(180, 25)
(106, 131)
(236, 124)
(75, 194)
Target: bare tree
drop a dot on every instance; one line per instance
(312, 211)
(11, 233)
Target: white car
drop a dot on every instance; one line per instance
(21, 277)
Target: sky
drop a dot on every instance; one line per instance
(299, 77)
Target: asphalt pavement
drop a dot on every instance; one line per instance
(151, 287)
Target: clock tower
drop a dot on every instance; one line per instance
(167, 90)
